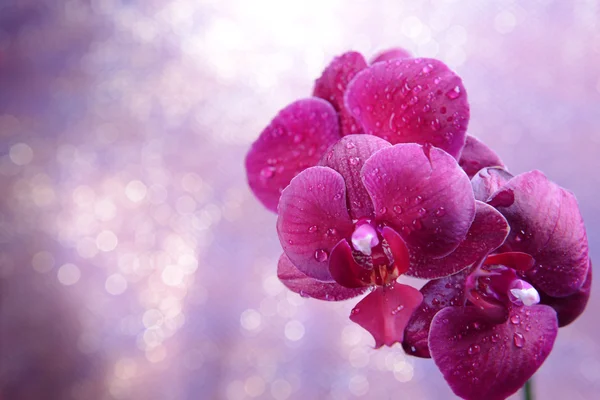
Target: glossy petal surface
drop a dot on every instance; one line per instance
(514, 259)
(487, 232)
(570, 308)
(423, 194)
(312, 219)
(305, 286)
(411, 101)
(295, 140)
(482, 361)
(386, 311)
(391, 54)
(476, 155)
(332, 85)
(488, 180)
(347, 157)
(437, 294)
(345, 270)
(546, 223)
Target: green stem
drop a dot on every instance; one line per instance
(528, 390)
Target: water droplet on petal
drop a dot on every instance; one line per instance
(298, 138)
(398, 209)
(427, 69)
(518, 340)
(418, 199)
(422, 211)
(350, 145)
(435, 125)
(440, 212)
(267, 172)
(397, 309)
(515, 319)
(312, 229)
(321, 255)
(454, 93)
(354, 160)
(331, 232)
(475, 349)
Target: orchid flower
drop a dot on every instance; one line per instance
(371, 212)
(397, 98)
(491, 326)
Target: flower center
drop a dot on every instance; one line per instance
(365, 238)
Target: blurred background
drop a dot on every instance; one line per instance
(134, 261)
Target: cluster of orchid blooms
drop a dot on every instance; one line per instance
(375, 176)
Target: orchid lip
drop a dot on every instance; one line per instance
(364, 238)
(522, 293)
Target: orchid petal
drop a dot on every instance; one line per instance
(332, 85)
(312, 219)
(487, 232)
(411, 101)
(570, 308)
(386, 311)
(546, 223)
(305, 286)
(488, 180)
(480, 360)
(347, 157)
(476, 155)
(437, 294)
(513, 259)
(295, 140)
(423, 194)
(391, 54)
(345, 270)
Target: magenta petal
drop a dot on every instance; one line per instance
(386, 311)
(347, 157)
(480, 360)
(391, 54)
(411, 101)
(513, 259)
(312, 219)
(570, 307)
(332, 85)
(397, 248)
(423, 194)
(345, 270)
(297, 282)
(437, 294)
(546, 223)
(476, 155)
(487, 232)
(488, 180)
(295, 140)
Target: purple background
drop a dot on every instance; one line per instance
(134, 261)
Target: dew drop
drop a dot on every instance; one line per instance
(354, 160)
(321, 255)
(435, 125)
(445, 320)
(397, 309)
(440, 212)
(515, 319)
(518, 340)
(398, 209)
(475, 349)
(418, 200)
(267, 172)
(413, 100)
(382, 210)
(422, 211)
(350, 145)
(437, 81)
(312, 229)
(427, 69)
(435, 301)
(454, 93)
(495, 338)
(417, 224)
(355, 310)
(331, 232)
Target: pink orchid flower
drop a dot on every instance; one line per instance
(491, 326)
(397, 98)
